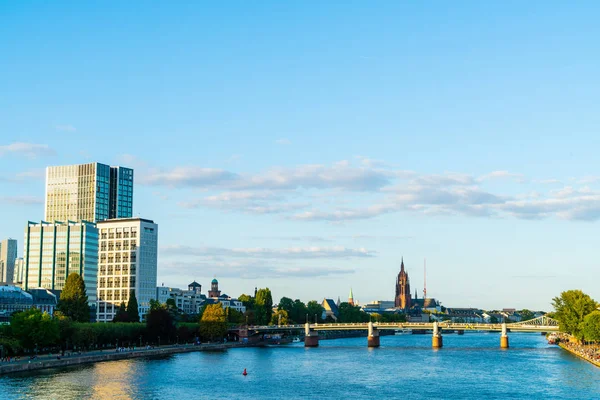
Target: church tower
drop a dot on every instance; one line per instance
(403, 299)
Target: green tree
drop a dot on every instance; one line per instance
(213, 325)
(160, 324)
(526, 314)
(314, 309)
(121, 315)
(35, 329)
(350, 313)
(155, 305)
(65, 329)
(299, 312)
(591, 326)
(263, 306)
(73, 302)
(571, 308)
(234, 316)
(286, 304)
(247, 300)
(280, 317)
(133, 314)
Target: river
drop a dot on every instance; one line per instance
(471, 366)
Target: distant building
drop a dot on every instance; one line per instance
(128, 251)
(8, 254)
(44, 299)
(54, 250)
(19, 275)
(379, 306)
(214, 291)
(90, 192)
(403, 299)
(331, 309)
(14, 299)
(351, 298)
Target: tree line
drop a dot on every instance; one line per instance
(578, 315)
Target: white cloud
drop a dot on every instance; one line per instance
(313, 252)
(283, 141)
(251, 270)
(30, 150)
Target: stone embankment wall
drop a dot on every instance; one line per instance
(572, 349)
(109, 355)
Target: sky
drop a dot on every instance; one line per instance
(310, 146)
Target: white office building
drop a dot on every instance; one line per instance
(127, 263)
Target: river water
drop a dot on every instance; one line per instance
(471, 366)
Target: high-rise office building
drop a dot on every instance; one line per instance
(89, 192)
(54, 250)
(8, 254)
(19, 275)
(127, 264)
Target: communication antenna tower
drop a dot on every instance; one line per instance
(424, 279)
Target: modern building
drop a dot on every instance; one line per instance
(379, 306)
(8, 254)
(403, 299)
(127, 263)
(55, 250)
(90, 192)
(19, 274)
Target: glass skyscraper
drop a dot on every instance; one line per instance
(89, 192)
(54, 250)
(8, 255)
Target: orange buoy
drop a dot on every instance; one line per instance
(244, 373)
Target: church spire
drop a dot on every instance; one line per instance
(402, 265)
(351, 298)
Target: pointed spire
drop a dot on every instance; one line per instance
(402, 265)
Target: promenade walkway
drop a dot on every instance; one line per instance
(75, 358)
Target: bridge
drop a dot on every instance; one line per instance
(311, 331)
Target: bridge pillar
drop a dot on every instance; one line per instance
(437, 341)
(311, 337)
(504, 337)
(373, 336)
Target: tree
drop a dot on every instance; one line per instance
(280, 317)
(160, 324)
(571, 308)
(121, 315)
(247, 300)
(263, 306)
(234, 316)
(315, 311)
(350, 313)
(526, 315)
(591, 326)
(298, 313)
(133, 314)
(73, 302)
(35, 329)
(65, 330)
(155, 305)
(286, 304)
(213, 325)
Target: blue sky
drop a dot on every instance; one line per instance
(307, 147)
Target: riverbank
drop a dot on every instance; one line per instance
(45, 362)
(588, 353)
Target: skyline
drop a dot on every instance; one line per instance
(309, 149)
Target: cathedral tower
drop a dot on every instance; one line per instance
(403, 299)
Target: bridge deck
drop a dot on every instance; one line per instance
(513, 327)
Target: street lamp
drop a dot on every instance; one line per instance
(140, 341)
(159, 341)
(307, 318)
(315, 318)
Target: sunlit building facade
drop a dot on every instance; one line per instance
(127, 264)
(54, 250)
(90, 192)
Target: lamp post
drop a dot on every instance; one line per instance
(140, 341)
(315, 318)
(307, 318)
(159, 341)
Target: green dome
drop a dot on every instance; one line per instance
(215, 281)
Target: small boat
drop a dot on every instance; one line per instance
(403, 331)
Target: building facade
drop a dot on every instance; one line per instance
(128, 250)
(19, 274)
(52, 251)
(8, 255)
(403, 298)
(90, 192)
